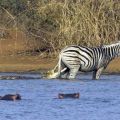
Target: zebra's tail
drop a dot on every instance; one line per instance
(59, 69)
(59, 64)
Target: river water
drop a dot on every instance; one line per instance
(99, 99)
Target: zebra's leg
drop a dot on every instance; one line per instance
(64, 73)
(73, 73)
(64, 76)
(97, 73)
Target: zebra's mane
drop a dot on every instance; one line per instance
(111, 45)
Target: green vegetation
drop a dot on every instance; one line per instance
(53, 24)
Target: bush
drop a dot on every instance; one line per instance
(53, 24)
(81, 22)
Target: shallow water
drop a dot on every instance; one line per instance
(99, 99)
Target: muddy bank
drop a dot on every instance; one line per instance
(38, 64)
(25, 63)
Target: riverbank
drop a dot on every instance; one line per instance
(38, 64)
(26, 63)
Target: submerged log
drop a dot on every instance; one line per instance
(71, 95)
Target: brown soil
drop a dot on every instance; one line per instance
(14, 48)
(114, 66)
(25, 63)
(38, 64)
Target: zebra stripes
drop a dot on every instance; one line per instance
(79, 58)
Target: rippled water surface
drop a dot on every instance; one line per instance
(99, 99)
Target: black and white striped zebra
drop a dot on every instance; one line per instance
(85, 59)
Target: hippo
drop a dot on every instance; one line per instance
(11, 97)
(71, 95)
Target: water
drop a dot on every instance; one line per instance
(99, 99)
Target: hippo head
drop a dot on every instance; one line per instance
(71, 95)
(76, 95)
(18, 97)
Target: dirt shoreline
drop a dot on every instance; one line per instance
(37, 64)
(26, 63)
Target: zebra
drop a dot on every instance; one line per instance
(75, 58)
